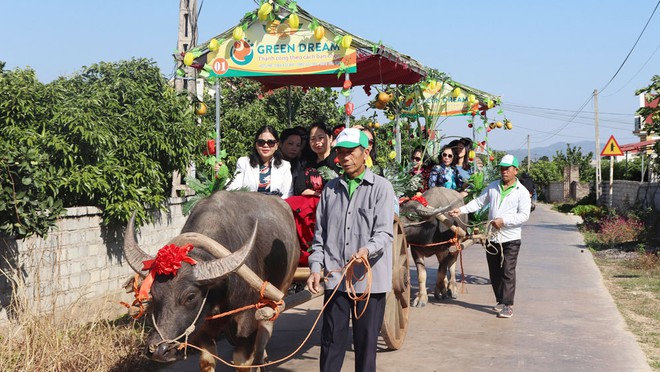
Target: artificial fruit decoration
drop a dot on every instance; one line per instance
(471, 155)
(376, 125)
(472, 99)
(383, 97)
(188, 59)
(508, 125)
(214, 45)
(349, 108)
(499, 124)
(200, 108)
(238, 33)
(264, 11)
(294, 21)
(346, 41)
(456, 92)
(319, 32)
(347, 84)
(392, 155)
(491, 103)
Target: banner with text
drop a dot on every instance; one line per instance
(274, 49)
(438, 100)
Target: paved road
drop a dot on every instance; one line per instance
(564, 318)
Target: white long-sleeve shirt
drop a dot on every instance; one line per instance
(514, 209)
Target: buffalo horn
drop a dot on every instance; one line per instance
(428, 212)
(213, 270)
(132, 253)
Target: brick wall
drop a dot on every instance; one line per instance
(80, 260)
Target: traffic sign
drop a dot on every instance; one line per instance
(611, 148)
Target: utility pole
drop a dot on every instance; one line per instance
(529, 154)
(597, 153)
(187, 40)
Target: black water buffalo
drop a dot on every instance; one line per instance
(260, 230)
(423, 230)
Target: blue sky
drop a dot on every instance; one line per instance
(544, 59)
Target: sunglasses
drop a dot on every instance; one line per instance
(417, 158)
(261, 142)
(447, 155)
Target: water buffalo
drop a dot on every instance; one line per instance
(260, 230)
(423, 230)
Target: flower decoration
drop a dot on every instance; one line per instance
(167, 262)
(168, 259)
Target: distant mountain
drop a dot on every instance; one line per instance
(550, 151)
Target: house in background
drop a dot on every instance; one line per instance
(643, 148)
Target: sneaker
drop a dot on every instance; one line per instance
(507, 312)
(498, 308)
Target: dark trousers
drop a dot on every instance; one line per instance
(334, 335)
(503, 274)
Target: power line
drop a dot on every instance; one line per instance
(576, 121)
(504, 104)
(568, 122)
(631, 49)
(636, 73)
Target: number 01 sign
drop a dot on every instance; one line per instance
(220, 66)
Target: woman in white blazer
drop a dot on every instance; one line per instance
(263, 170)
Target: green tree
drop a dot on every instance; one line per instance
(573, 156)
(110, 136)
(543, 172)
(29, 182)
(652, 93)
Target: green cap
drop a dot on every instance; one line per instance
(508, 161)
(351, 138)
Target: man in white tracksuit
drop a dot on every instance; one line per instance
(510, 205)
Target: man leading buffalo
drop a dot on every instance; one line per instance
(353, 221)
(509, 204)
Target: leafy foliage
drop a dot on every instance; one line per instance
(110, 136)
(573, 156)
(29, 203)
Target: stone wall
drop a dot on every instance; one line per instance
(80, 260)
(554, 192)
(626, 194)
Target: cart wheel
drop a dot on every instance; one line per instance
(395, 323)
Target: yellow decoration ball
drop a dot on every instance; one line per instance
(392, 155)
(319, 32)
(214, 45)
(264, 11)
(238, 33)
(346, 41)
(188, 59)
(456, 92)
(294, 21)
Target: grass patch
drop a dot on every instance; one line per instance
(80, 337)
(634, 283)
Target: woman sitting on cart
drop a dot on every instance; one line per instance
(263, 170)
(310, 181)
